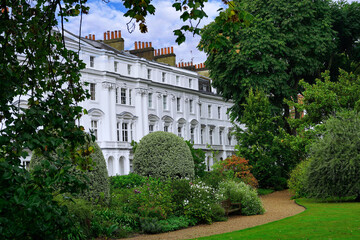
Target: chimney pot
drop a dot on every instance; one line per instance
(147, 44)
(136, 45)
(119, 33)
(154, 52)
(94, 37)
(116, 34)
(150, 44)
(108, 35)
(162, 51)
(85, 36)
(104, 35)
(143, 45)
(172, 49)
(139, 44)
(158, 52)
(165, 51)
(168, 50)
(112, 35)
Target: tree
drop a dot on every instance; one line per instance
(36, 66)
(272, 49)
(262, 142)
(334, 168)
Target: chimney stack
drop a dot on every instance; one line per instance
(114, 39)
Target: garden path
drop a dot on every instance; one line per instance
(278, 205)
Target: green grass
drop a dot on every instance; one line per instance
(319, 221)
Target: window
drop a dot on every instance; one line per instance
(192, 135)
(151, 128)
(177, 80)
(123, 96)
(219, 112)
(190, 83)
(149, 74)
(209, 111)
(118, 132)
(150, 100)
(115, 66)
(202, 136)
(92, 91)
(117, 95)
(211, 136)
(131, 166)
(220, 137)
(92, 61)
(166, 128)
(125, 136)
(229, 138)
(94, 128)
(129, 69)
(165, 102)
(191, 103)
(200, 112)
(163, 78)
(178, 104)
(228, 113)
(130, 97)
(179, 131)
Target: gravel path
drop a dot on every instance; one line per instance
(277, 205)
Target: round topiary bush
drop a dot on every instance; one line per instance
(334, 169)
(163, 154)
(98, 180)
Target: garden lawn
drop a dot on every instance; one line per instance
(319, 221)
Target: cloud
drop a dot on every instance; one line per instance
(103, 17)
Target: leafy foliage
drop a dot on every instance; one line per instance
(127, 181)
(36, 66)
(270, 51)
(298, 177)
(261, 142)
(163, 154)
(243, 193)
(334, 170)
(241, 169)
(199, 159)
(96, 178)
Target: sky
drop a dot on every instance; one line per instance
(110, 17)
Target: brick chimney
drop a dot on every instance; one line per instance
(114, 39)
(143, 50)
(165, 55)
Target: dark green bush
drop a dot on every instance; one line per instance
(181, 191)
(163, 154)
(334, 169)
(127, 181)
(218, 212)
(153, 225)
(97, 177)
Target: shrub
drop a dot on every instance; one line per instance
(98, 182)
(153, 194)
(199, 159)
(198, 206)
(240, 168)
(297, 181)
(80, 214)
(151, 225)
(217, 212)
(243, 193)
(163, 154)
(334, 170)
(181, 191)
(108, 222)
(127, 181)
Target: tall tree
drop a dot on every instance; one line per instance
(282, 42)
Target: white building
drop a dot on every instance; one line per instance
(132, 94)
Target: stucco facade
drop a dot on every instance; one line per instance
(132, 96)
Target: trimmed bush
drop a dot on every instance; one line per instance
(163, 154)
(334, 170)
(243, 193)
(297, 181)
(98, 180)
(126, 181)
